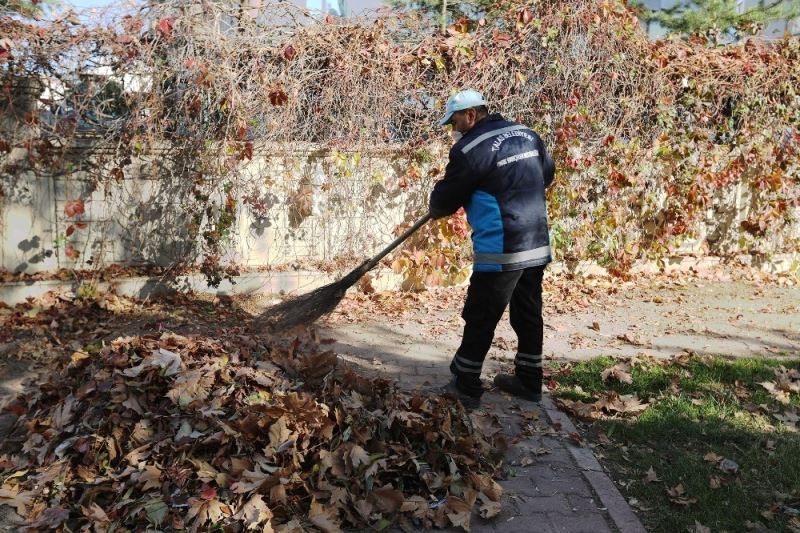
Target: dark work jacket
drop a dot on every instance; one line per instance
(499, 172)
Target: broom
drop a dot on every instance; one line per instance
(307, 308)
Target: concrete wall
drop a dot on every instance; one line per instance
(313, 206)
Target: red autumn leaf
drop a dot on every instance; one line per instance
(165, 27)
(194, 105)
(72, 253)
(460, 26)
(124, 39)
(74, 207)
(230, 203)
(329, 19)
(289, 52)
(503, 40)
(247, 151)
(70, 230)
(15, 408)
(207, 492)
(81, 225)
(525, 16)
(278, 97)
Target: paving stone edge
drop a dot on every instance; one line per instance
(621, 514)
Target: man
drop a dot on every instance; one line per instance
(498, 171)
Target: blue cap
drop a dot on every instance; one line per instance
(460, 101)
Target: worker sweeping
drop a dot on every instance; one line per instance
(498, 171)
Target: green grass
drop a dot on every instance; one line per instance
(678, 429)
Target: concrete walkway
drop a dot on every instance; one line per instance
(554, 484)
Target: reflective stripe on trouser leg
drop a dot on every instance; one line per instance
(529, 369)
(464, 365)
(528, 360)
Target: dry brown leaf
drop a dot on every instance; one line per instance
(364, 509)
(96, 514)
(150, 476)
(651, 476)
(678, 496)
(78, 357)
(325, 518)
(489, 508)
(191, 386)
(628, 404)
(277, 494)
(580, 409)
(50, 518)
(461, 519)
(204, 471)
(620, 372)
(137, 455)
(486, 423)
(776, 392)
(417, 505)
(11, 496)
(487, 486)
(387, 499)
(359, 456)
(254, 512)
(204, 511)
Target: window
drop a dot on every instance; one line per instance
(334, 7)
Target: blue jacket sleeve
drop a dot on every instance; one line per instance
(456, 188)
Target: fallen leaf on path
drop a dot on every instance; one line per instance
(630, 339)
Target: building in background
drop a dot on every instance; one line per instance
(773, 30)
(340, 8)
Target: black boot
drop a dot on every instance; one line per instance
(469, 401)
(513, 385)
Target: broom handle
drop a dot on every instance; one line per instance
(369, 265)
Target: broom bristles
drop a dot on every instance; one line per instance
(310, 307)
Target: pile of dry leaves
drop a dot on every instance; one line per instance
(188, 431)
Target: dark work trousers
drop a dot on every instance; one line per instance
(487, 297)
